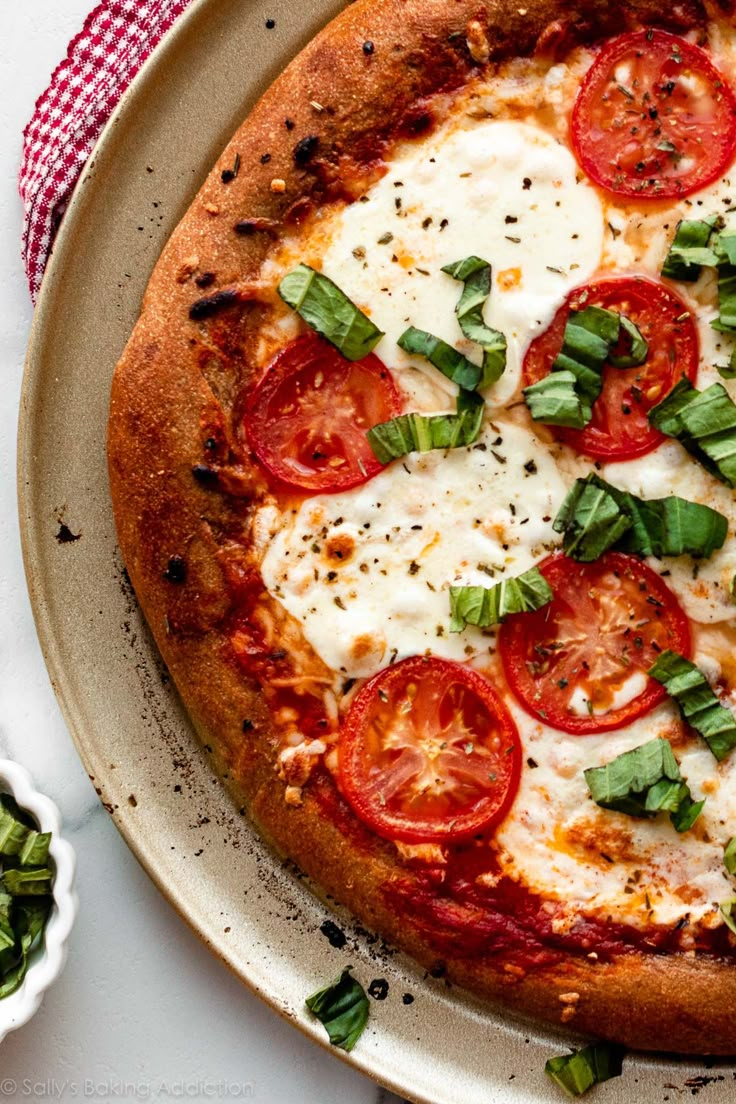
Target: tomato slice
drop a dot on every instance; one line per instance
(575, 663)
(619, 429)
(307, 419)
(429, 752)
(654, 118)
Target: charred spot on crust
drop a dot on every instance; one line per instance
(176, 570)
(205, 280)
(378, 989)
(368, 48)
(335, 934)
(416, 122)
(209, 305)
(205, 476)
(247, 227)
(305, 149)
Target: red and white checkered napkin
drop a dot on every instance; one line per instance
(101, 61)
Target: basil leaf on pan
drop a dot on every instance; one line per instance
(442, 356)
(595, 516)
(590, 335)
(644, 782)
(486, 606)
(728, 371)
(577, 1072)
(327, 309)
(725, 249)
(423, 432)
(698, 705)
(342, 1008)
(704, 422)
(475, 275)
(689, 249)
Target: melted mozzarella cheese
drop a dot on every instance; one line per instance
(504, 191)
(367, 572)
(556, 839)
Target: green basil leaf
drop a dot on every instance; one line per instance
(689, 252)
(590, 519)
(475, 275)
(595, 516)
(643, 782)
(13, 831)
(7, 934)
(728, 371)
(554, 400)
(13, 969)
(729, 855)
(442, 356)
(704, 422)
(639, 350)
(486, 606)
(342, 1008)
(35, 850)
(726, 909)
(327, 309)
(577, 1072)
(423, 432)
(589, 336)
(27, 881)
(698, 705)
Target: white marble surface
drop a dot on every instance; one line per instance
(142, 1011)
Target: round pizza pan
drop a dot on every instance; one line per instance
(254, 911)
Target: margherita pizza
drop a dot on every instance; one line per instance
(422, 456)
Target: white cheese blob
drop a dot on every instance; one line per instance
(367, 572)
(504, 191)
(559, 842)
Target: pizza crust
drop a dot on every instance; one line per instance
(181, 383)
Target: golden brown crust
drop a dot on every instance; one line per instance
(176, 391)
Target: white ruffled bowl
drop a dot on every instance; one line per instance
(48, 958)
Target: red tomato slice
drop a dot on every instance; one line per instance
(429, 752)
(307, 419)
(619, 429)
(654, 118)
(608, 621)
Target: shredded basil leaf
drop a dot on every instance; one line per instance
(342, 1008)
(704, 422)
(577, 1072)
(639, 347)
(697, 703)
(25, 891)
(726, 910)
(590, 519)
(27, 881)
(442, 356)
(327, 309)
(689, 250)
(643, 782)
(423, 432)
(729, 855)
(486, 606)
(554, 400)
(595, 516)
(589, 336)
(728, 371)
(475, 275)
